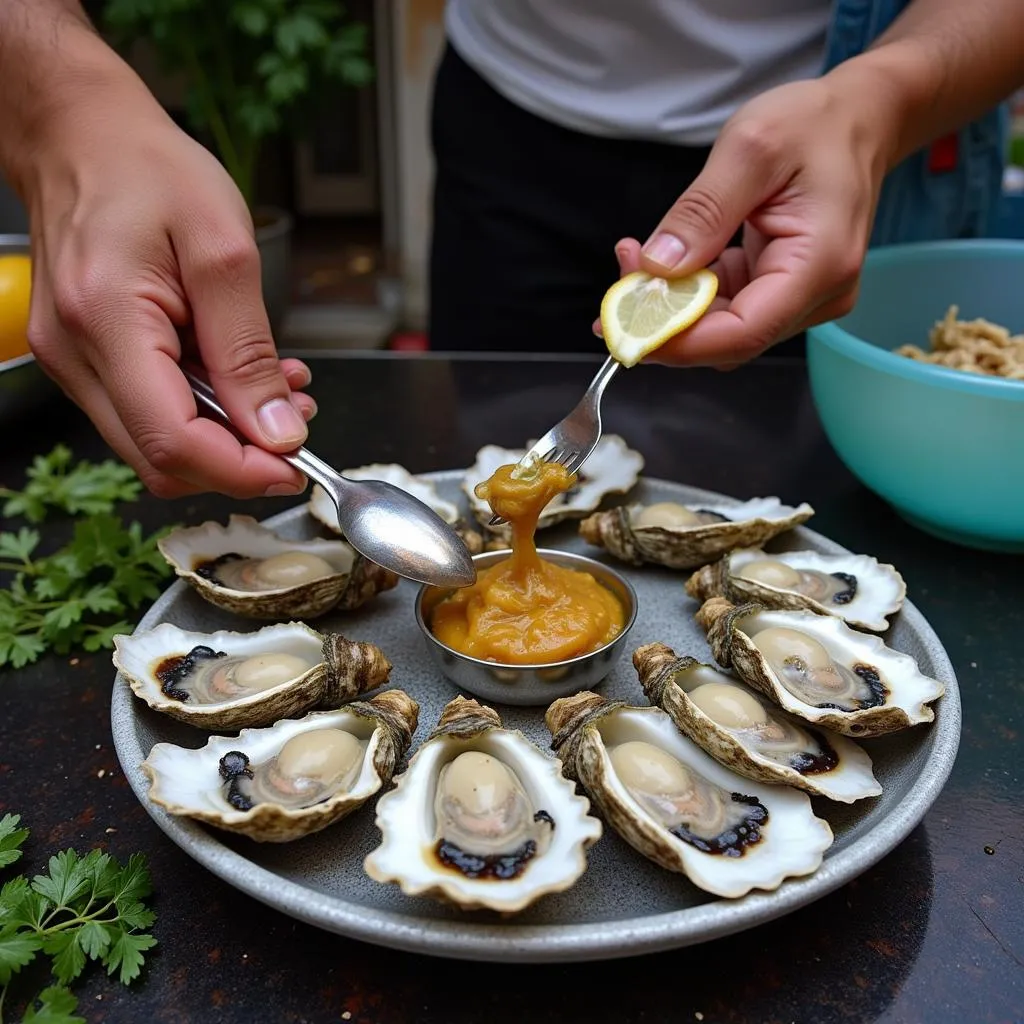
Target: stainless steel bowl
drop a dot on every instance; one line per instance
(535, 685)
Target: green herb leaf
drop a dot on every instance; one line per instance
(68, 878)
(56, 1006)
(125, 954)
(84, 908)
(68, 956)
(16, 950)
(11, 838)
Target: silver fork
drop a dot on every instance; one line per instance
(572, 440)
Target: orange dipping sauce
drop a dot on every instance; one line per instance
(525, 610)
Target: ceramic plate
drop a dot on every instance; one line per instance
(624, 904)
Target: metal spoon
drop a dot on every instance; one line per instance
(383, 522)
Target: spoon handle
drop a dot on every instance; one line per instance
(302, 458)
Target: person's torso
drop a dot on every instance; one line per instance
(667, 70)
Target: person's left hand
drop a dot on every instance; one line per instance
(800, 168)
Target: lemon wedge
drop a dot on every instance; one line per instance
(639, 313)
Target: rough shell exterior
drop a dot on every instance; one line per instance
(356, 582)
(394, 714)
(347, 669)
(656, 666)
(682, 548)
(732, 648)
(717, 580)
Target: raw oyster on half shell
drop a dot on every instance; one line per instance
(858, 588)
(252, 571)
(679, 807)
(686, 536)
(230, 681)
(481, 818)
(321, 507)
(749, 734)
(820, 669)
(613, 468)
(291, 779)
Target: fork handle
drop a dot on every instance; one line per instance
(301, 458)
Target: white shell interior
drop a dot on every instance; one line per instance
(139, 655)
(793, 840)
(613, 468)
(245, 536)
(880, 588)
(767, 509)
(851, 779)
(322, 508)
(405, 816)
(908, 687)
(187, 779)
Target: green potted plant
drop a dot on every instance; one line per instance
(251, 67)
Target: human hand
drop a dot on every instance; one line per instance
(800, 168)
(143, 251)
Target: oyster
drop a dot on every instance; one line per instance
(613, 468)
(231, 680)
(747, 733)
(820, 669)
(684, 536)
(322, 508)
(291, 779)
(247, 569)
(678, 806)
(481, 818)
(859, 589)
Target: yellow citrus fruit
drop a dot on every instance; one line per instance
(15, 297)
(639, 313)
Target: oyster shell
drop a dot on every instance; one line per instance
(229, 681)
(684, 537)
(247, 569)
(613, 468)
(747, 733)
(858, 588)
(291, 779)
(481, 818)
(820, 669)
(322, 508)
(678, 806)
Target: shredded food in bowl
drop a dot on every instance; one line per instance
(975, 346)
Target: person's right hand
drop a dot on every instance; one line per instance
(140, 238)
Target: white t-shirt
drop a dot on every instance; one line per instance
(668, 70)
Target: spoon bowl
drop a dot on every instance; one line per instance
(386, 524)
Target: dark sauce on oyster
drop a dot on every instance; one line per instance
(879, 691)
(847, 595)
(175, 669)
(208, 568)
(807, 763)
(714, 516)
(735, 841)
(498, 866)
(234, 765)
(501, 866)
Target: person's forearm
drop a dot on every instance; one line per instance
(51, 60)
(941, 64)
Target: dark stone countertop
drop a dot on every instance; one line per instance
(933, 933)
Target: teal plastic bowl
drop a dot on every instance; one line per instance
(945, 448)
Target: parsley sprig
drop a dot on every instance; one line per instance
(78, 596)
(83, 908)
(86, 488)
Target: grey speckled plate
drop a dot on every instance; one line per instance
(624, 904)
